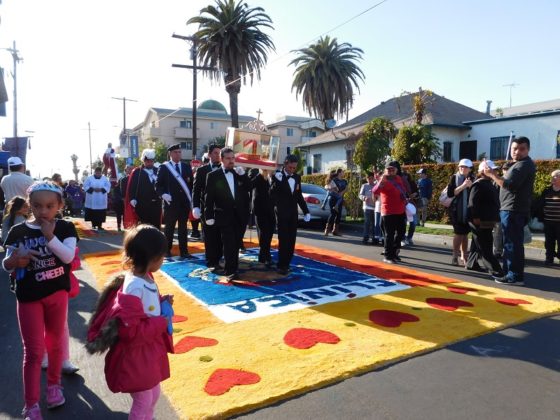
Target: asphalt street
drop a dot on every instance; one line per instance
(509, 374)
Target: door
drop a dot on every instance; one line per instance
(467, 150)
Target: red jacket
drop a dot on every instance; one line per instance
(138, 361)
(393, 198)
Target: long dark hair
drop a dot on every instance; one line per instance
(13, 206)
(142, 245)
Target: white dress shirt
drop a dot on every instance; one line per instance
(230, 180)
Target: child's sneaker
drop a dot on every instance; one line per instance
(32, 413)
(55, 398)
(68, 368)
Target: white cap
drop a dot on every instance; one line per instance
(14, 161)
(466, 162)
(148, 154)
(487, 164)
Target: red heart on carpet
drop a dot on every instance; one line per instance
(305, 338)
(190, 342)
(512, 302)
(222, 380)
(179, 318)
(447, 304)
(113, 262)
(460, 290)
(392, 319)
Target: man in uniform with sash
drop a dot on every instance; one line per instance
(174, 185)
(141, 190)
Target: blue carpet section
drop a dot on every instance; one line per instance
(257, 281)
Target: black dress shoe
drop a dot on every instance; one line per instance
(283, 271)
(186, 257)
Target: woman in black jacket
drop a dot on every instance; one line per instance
(483, 214)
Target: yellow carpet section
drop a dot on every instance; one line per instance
(223, 369)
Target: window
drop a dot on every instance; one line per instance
(290, 132)
(447, 151)
(498, 147)
(316, 163)
(187, 145)
(313, 134)
(185, 124)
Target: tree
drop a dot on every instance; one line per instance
(219, 140)
(416, 144)
(325, 76)
(231, 41)
(374, 143)
(300, 163)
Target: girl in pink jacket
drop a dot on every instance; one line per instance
(131, 319)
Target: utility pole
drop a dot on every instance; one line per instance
(511, 86)
(90, 159)
(125, 134)
(16, 59)
(194, 41)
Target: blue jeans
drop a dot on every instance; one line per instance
(377, 230)
(369, 224)
(514, 250)
(412, 227)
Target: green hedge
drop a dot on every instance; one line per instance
(439, 173)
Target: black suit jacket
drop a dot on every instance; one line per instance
(141, 188)
(199, 187)
(220, 205)
(286, 202)
(262, 204)
(167, 184)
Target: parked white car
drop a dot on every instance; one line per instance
(314, 196)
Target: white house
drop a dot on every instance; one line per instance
(463, 132)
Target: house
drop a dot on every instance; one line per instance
(463, 132)
(446, 118)
(171, 126)
(293, 131)
(540, 122)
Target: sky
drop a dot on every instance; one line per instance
(77, 55)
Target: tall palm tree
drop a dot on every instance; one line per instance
(230, 40)
(325, 76)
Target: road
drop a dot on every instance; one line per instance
(510, 374)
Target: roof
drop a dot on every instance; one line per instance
(536, 107)
(515, 117)
(212, 105)
(301, 122)
(440, 111)
(187, 113)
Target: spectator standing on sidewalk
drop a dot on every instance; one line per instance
(516, 191)
(458, 188)
(368, 205)
(484, 213)
(412, 196)
(549, 205)
(425, 195)
(393, 219)
(17, 181)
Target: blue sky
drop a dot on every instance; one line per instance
(77, 55)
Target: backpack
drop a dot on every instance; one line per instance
(444, 200)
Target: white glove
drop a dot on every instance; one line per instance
(133, 203)
(166, 198)
(210, 222)
(196, 213)
(278, 176)
(240, 171)
(307, 217)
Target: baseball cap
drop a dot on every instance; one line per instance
(466, 162)
(391, 165)
(14, 161)
(487, 164)
(422, 171)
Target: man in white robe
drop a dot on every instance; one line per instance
(96, 187)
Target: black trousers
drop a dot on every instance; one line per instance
(171, 217)
(231, 238)
(394, 226)
(552, 240)
(149, 213)
(287, 232)
(265, 230)
(213, 247)
(481, 250)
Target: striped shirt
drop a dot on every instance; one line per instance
(551, 207)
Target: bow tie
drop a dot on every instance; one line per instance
(289, 176)
(227, 171)
(216, 166)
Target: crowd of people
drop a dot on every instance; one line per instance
(41, 247)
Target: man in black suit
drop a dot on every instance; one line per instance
(212, 239)
(263, 209)
(173, 185)
(142, 193)
(285, 192)
(225, 207)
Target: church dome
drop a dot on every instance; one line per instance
(212, 105)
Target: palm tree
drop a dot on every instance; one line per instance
(230, 40)
(325, 75)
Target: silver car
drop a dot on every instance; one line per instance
(314, 196)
